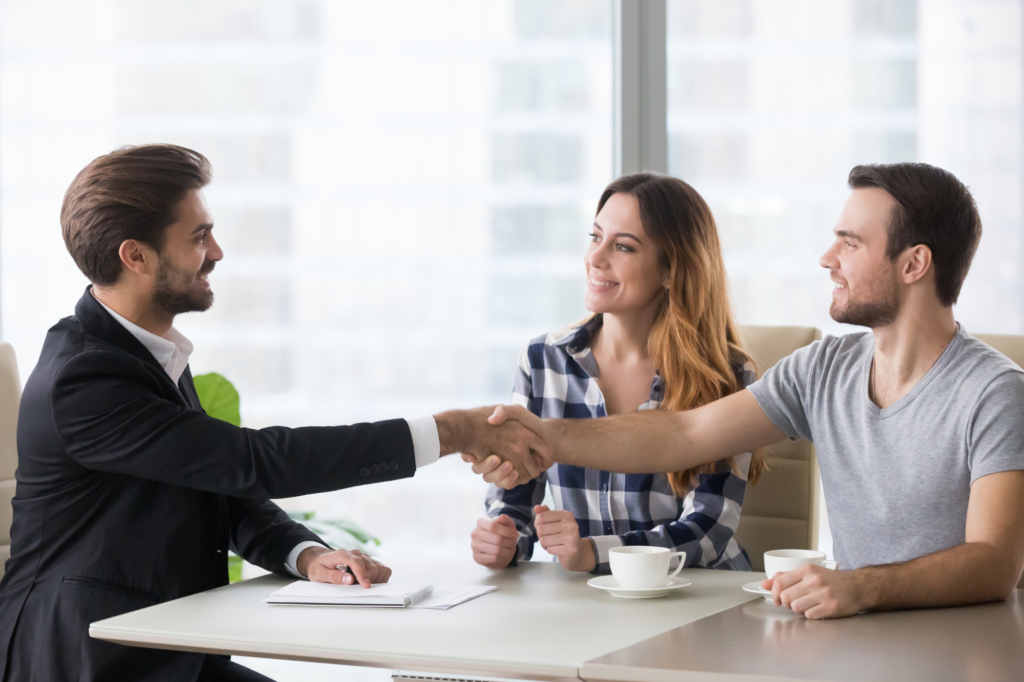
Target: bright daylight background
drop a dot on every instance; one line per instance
(403, 189)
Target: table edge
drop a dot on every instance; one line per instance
(159, 640)
(601, 672)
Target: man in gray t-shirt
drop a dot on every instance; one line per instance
(898, 480)
(918, 426)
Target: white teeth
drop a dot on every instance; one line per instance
(837, 285)
(202, 278)
(602, 284)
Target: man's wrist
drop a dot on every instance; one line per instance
(454, 431)
(867, 588)
(306, 556)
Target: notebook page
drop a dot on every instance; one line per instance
(447, 596)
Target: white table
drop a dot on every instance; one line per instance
(542, 623)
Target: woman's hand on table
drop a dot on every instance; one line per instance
(320, 565)
(494, 541)
(559, 534)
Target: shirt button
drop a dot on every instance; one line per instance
(604, 488)
(364, 472)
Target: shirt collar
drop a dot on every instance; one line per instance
(171, 351)
(577, 344)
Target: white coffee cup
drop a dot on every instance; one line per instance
(782, 560)
(636, 567)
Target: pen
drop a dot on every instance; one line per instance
(343, 567)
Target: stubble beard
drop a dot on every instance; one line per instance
(879, 312)
(173, 290)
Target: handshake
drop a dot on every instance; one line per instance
(507, 444)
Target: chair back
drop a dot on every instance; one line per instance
(781, 510)
(1013, 348)
(10, 397)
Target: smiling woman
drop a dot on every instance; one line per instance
(661, 337)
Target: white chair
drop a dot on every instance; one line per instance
(781, 510)
(10, 397)
(1013, 348)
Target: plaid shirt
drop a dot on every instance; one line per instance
(557, 378)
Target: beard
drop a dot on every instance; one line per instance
(174, 289)
(880, 311)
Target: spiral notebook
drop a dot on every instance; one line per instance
(387, 595)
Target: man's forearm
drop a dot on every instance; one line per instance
(971, 573)
(454, 431)
(657, 441)
(652, 441)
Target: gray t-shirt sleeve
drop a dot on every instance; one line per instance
(995, 437)
(783, 391)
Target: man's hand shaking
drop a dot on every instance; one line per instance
(505, 443)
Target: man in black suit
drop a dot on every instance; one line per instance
(128, 494)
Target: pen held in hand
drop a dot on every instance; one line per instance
(346, 569)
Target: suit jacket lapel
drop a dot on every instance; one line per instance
(188, 389)
(96, 321)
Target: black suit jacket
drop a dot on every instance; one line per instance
(128, 495)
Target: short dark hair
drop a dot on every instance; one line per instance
(932, 208)
(130, 193)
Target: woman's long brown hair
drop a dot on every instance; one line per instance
(693, 342)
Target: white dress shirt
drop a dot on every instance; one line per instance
(172, 351)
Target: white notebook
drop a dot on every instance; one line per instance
(326, 594)
(397, 595)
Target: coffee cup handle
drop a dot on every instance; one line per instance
(682, 562)
(830, 565)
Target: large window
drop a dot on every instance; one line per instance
(402, 191)
(772, 103)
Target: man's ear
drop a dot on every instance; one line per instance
(917, 262)
(138, 257)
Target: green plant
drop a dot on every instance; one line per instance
(234, 567)
(218, 397)
(337, 533)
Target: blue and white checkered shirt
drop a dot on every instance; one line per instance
(557, 378)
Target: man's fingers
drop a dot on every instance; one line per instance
(541, 508)
(506, 520)
(493, 470)
(358, 570)
(802, 604)
(509, 482)
(499, 416)
(487, 464)
(503, 475)
(503, 413)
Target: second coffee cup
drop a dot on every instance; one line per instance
(638, 567)
(782, 560)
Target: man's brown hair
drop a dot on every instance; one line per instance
(130, 193)
(932, 208)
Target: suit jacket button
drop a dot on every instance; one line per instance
(374, 470)
(393, 466)
(364, 472)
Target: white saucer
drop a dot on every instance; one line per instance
(755, 588)
(611, 585)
